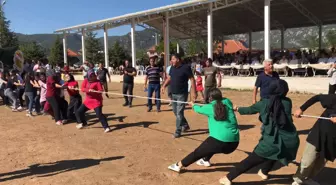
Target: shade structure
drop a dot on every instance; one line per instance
(230, 46)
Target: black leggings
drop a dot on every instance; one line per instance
(75, 103)
(58, 106)
(208, 148)
(250, 162)
(128, 87)
(332, 89)
(105, 86)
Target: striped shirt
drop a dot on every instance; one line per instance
(154, 74)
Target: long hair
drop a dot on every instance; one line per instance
(219, 107)
(29, 76)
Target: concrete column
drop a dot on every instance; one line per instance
(282, 39)
(320, 37)
(83, 47)
(250, 41)
(133, 43)
(65, 49)
(106, 46)
(210, 32)
(177, 48)
(166, 40)
(267, 28)
(156, 39)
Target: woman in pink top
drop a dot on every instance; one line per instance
(43, 85)
(93, 100)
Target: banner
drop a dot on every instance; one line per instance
(18, 61)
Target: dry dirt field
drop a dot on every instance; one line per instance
(34, 151)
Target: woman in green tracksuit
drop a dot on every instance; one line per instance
(223, 128)
(279, 140)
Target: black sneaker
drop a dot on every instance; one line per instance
(125, 104)
(149, 109)
(158, 110)
(130, 105)
(176, 135)
(185, 128)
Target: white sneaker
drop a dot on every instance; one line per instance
(29, 115)
(107, 130)
(59, 123)
(79, 126)
(20, 108)
(15, 110)
(202, 162)
(225, 181)
(295, 183)
(175, 168)
(310, 182)
(262, 175)
(64, 121)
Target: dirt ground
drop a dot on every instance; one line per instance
(34, 151)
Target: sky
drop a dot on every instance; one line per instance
(46, 16)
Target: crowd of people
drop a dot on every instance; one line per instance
(44, 91)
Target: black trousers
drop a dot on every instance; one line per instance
(59, 107)
(250, 162)
(80, 115)
(75, 103)
(105, 86)
(208, 148)
(332, 89)
(128, 89)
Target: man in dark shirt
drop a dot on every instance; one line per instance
(264, 79)
(178, 78)
(153, 77)
(102, 72)
(129, 73)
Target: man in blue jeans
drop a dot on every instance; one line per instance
(153, 75)
(178, 78)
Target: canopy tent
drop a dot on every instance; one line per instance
(230, 46)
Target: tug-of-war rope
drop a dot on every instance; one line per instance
(174, 101)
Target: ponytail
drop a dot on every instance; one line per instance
(220, 111)
(219, 107)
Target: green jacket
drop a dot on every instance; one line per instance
(275, 143)
(226, 131)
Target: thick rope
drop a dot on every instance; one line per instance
(140, 97)
(316, 117)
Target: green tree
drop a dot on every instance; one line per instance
(172, 48)
(7, 37)
(94, 50)
(142, 57)
(311, 41)
(117, 54)
(331, 38)
(56, 53)
(195, 46)
(32, 51)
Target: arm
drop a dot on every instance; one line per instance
(146, 80)
(331, 71)
(253, 109)
(134, 73)
(255, 93)
(108, 75)
(83, 87)
(205, 109)
(219, 79)
(193, 87)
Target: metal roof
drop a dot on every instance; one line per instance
(189, 19)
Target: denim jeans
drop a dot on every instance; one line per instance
(30, 96)
(154, 88)
(80, 115)
(178, 109)
(12, 96)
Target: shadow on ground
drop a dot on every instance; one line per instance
(51, 169)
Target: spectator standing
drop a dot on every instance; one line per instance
(211, 73)
(102, 72)
(332, 82)
(264, 79)
(85, 68)
(129, 73)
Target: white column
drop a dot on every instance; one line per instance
(177, 48)
(133, 43)
(106, 47)
(156, 39)
(282, 39)
(65, 49)
(250, 41)
(166, 40)
(223, 45)
(210, 32)
(267, 29)
(83, 46)
(320, 37)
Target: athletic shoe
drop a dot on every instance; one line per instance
(158, 110)
(262, 175)
(174, 167)
(59, 123)
(15, 110)
(20, 108)
(107, 130)
(64, 121)
(202, 162)
(125, 104)
(79, 126)
(29, 114)
(39, 113)
(149, 110)
(225, 181)
(175, 136)
(130, 105)
(295, 183)
(185, 128)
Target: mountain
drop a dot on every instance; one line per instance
(294, 38)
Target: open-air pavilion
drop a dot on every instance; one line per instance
(196, 18)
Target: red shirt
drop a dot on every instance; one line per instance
(66, 69)
(92, 99)
(51, 88)
(73, 84)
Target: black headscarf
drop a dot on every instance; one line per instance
(278, 90)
